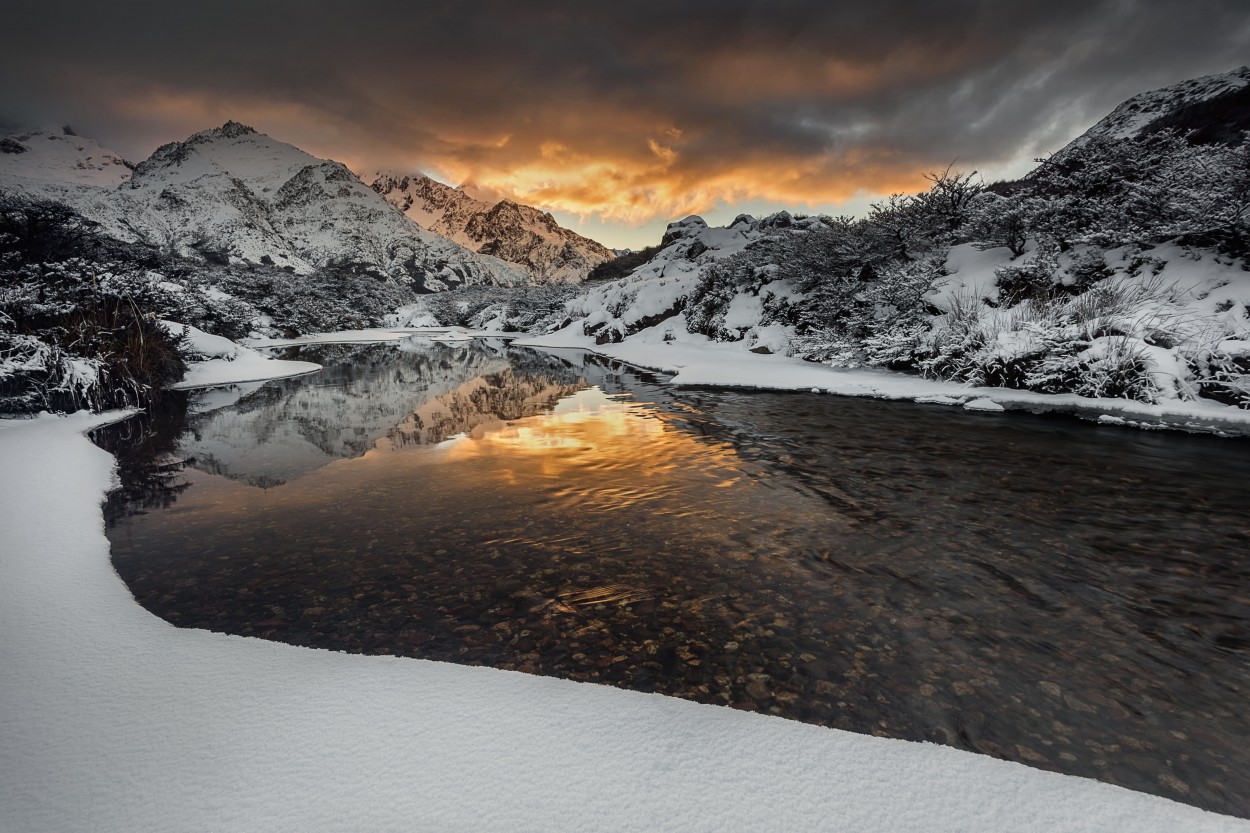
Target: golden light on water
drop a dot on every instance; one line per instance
(589, 421)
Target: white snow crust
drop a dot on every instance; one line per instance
(113, 720)
(223, 362)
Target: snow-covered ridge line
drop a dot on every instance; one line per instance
(63, 156)
(115, 721)
(1136, 114)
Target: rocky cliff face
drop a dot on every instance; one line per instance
(507, 230)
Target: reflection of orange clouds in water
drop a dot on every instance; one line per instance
(602, 452)
(588, 422)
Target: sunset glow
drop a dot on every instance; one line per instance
(619, 122)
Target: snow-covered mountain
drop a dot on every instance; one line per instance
(233, 193)
(1209, 104)
(513, 232)
(60, 155)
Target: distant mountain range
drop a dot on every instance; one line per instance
(505, 229)
(234, 194)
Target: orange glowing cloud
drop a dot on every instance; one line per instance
(623, 113)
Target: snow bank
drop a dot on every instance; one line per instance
(112, 720)
(694, 360)
(223, 362)
(337, 337)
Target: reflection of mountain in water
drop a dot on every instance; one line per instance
(419, 393)
(503, 396)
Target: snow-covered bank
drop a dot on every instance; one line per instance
(1150, 336)
(220, 361)
(697, 361)
(111, 719)
(337, 337)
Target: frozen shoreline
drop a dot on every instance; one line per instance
(719, 364)
(111, 719)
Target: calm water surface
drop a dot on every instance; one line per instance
(1069, 596)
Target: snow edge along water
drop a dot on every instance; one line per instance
(719, 364)
(114, 720)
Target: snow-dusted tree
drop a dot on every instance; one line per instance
(876, 317)
(1144, 190)
(996, 220)
(945, 206)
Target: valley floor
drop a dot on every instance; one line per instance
(113, 720)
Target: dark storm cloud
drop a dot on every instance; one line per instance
(625, 108)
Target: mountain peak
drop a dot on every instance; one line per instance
(232, 130)
(503, 228)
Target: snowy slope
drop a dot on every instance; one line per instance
(651, 297)
(234, 193)
(61, 156)
(1136, 115)
(516, 233)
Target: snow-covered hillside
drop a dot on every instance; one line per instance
(516, 233)
(232, 193)
(61, 156)
(1137, 115)
(654, 295)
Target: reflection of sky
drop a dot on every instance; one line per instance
(613, 430)
(591, 451)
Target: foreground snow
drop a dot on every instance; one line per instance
(113, 720)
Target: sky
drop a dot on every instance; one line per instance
(618, 116)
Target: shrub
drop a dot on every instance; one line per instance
(1032, 280)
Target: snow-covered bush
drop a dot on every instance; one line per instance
(878, 317)
(76, 326)
(1148, 189)
(1033, 279)
(1121, 338)
(338, 297)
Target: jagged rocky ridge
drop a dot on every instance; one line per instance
(508, 230)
